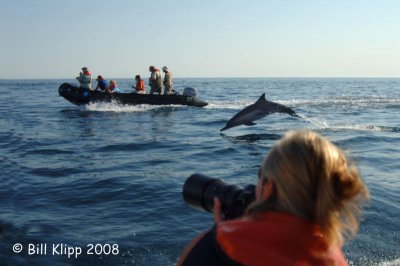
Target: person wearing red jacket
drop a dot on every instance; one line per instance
(309, 198)
(139, 87)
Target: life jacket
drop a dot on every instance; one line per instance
(113, 86)
(273, 238)
(140, 85)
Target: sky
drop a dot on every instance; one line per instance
(219, 38)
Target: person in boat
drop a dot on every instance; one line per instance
(101, 84)
(155, 81)
(168, 82)
(113, 87)
(139, 86)
(85, 79)
(309, 198)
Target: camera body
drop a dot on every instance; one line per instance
(200, 190)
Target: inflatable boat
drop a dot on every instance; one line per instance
(81, 96)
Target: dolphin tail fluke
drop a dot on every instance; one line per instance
(225, 128)
(293, 113)
(296, 115)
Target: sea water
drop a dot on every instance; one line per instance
(105, 180)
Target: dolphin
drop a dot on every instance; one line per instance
(257, 110)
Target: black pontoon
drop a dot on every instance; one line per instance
(81, 96)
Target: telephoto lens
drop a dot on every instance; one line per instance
(200, 190)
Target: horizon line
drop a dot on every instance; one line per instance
(222, 77)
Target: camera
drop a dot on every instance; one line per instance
(200, 190)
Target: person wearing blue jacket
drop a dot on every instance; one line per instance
(102, 84)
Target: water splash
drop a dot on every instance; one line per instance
(376, 100)
(114, 106)
(228, 104)
(368, 128)
(318, 122)
(389, 263)
(323, 124)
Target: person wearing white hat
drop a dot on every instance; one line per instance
(168, 82)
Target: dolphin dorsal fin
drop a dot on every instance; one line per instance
(261, 99)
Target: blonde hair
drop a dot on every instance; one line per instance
(113, 84)
(313, 179)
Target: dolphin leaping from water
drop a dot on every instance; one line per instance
(261, 108)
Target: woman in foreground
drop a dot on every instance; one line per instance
(309, 199)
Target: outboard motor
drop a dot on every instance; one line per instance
(188, 91)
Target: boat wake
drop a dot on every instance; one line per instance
(228, 104)
(340, 101)
(318, 124)
(116, 107)
(369, 128)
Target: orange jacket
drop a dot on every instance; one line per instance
(140, 85)
(273, 238)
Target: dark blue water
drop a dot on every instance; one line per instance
(112, 174)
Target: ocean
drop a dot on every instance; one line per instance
(107, 179)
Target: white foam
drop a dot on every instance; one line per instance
(116, 107)
(395, 262)
(344, 100)
(363, 128)
(228, 104)
(323, 124)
